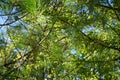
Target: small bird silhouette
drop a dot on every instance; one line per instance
(16, 18)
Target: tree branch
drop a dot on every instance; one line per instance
(6, 24)
(10, 13)
(108, 7)
(94, 40)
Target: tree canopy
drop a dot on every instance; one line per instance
(59, 39)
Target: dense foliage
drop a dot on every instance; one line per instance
(59, 40)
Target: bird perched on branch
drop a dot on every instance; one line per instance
(16, 18)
